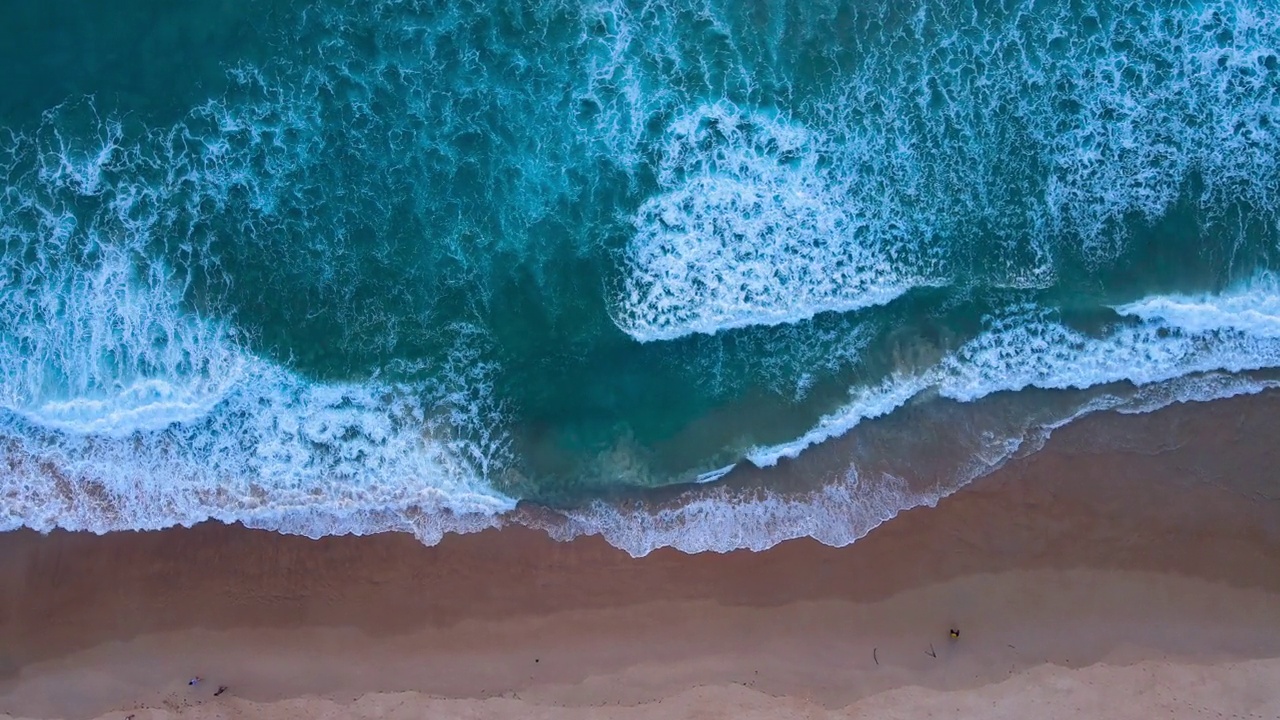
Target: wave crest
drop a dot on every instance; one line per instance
(747, 232)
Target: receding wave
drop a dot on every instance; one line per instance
(853, 503)
(1027, 348)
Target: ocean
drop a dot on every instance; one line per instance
(690, 273)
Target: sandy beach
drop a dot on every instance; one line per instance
(1130, 569)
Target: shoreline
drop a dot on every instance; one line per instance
(1158, 555)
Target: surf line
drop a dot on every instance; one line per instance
(713, 475)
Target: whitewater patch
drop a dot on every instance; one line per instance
(747, 232)
(274, 450)
(277, 452)
(101, 350)
(1028, 348)
(1253, 310)
(119, 410)
(962, 146)
(847, 508)
(122, 408)
(723, 520)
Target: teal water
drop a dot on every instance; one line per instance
(327, 268)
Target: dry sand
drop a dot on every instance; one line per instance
(1131, 569)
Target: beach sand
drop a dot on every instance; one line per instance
(1130, 569)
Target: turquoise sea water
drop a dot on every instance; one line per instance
(327, 268)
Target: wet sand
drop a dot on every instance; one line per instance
(1129, 569)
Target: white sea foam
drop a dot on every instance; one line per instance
(747, 232)
(122, 411)
(846, 509)
(272, 450)
(1179, 349)
(1015, 138)
(1253, 310)
(100, 351)
(122, 408)
(723, 520)
(1027, 348)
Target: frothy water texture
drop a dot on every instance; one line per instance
(406, 265)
